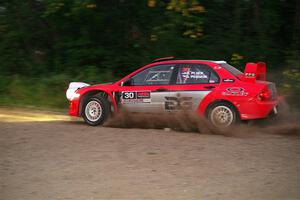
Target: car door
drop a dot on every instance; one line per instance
(147, 90)
(191, 83)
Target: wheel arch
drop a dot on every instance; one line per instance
(91, 93)
(210, 105)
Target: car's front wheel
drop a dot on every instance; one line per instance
(96, 110)
(222, 115)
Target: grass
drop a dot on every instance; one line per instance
(47, 92)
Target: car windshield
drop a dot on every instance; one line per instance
(231, 69)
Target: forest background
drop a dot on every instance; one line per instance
(45, 44)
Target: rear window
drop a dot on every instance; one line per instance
(231, 69)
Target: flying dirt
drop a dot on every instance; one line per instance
(46, 155)
(285, 124)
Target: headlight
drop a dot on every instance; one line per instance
(71, 94)
(75, 95)
(73, 87)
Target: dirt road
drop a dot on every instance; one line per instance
(50, 157)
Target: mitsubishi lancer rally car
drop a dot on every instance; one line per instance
(212, 89)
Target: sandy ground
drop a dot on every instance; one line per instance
(48, 156)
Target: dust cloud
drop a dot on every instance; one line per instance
(286, 123)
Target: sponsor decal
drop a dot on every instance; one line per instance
(187, 73)
(228, 80)
(136, 97)
(235, 91)
(178, 103)
(185, 70)
(143, 95)
(193, 75)
(250, 74)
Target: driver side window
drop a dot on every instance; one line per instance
(157, 75)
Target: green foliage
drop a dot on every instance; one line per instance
(30, 91)
(93, 40)
(291, 79)
(48, 91)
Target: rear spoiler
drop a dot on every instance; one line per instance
(254, 71)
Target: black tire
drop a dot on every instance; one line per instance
(95, 110)
(222, 115)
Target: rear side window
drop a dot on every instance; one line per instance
(234, 71)
(196, 74)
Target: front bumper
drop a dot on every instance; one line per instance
(73, 97)
(74, 107)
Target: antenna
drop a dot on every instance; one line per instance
(163, 59)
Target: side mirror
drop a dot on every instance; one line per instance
(128, 82)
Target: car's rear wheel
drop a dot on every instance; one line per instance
(96, 110)
(222, 115)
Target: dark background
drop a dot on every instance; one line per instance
(45, 44)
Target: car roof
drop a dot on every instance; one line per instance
(190, 61)
(172, 61)
(215, 61)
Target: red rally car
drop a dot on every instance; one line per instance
(213, 89)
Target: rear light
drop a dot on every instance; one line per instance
(264, 95)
